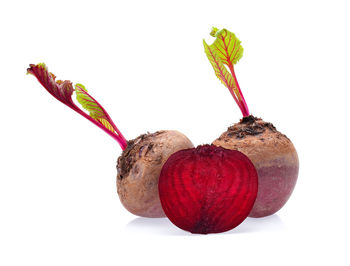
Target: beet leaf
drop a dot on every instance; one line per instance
(227, 50)
(63, 91)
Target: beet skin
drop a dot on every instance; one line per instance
(273, 156)
(207, 189)
(139, 168)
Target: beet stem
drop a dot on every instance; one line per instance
(119, 138)
(243, 105)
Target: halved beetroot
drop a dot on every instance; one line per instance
(208, 189)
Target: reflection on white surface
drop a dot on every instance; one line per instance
(265, 224)
(159, 226)
(162, 226)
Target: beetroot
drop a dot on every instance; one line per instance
(273, 156)
(139, 168)
(142, 158)
(271, 152)
(207, 189)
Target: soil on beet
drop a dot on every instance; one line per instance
(249, 126)
(133, 151)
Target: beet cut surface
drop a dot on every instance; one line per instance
(208, 189)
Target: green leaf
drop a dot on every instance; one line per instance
(96, 111)
(227, 46)
(220, 70)
(223, 53)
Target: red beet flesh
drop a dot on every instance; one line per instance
(208, 189)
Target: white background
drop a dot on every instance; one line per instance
(144, 61)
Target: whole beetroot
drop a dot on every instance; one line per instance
(142, 158)
(139, 168)
(271, 152)
(274, 157)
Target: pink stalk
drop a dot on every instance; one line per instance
(243, 105)
(119, 138)
(236, 100)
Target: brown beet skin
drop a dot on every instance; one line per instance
(273, 156)
(139, 168)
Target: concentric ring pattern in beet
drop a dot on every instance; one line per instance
(208, 189)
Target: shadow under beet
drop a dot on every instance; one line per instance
(162, 226)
